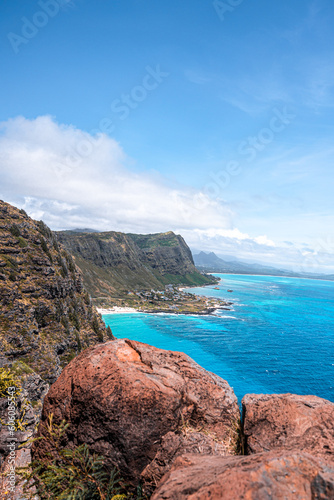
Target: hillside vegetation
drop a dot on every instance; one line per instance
(114, 263)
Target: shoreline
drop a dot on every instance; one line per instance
(207, 308)
(117, 310)
(130, 310)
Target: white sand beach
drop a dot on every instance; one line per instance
(117, 310)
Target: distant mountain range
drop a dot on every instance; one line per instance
(210, 262)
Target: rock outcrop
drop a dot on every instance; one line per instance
(113, 263)
(28, 407)
(46, 318)
(288, 422)
(265, 476)
(46, 315)
(140, 407)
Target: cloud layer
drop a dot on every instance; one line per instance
(70, 179)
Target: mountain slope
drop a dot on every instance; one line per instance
(113, 263)
(46, 316)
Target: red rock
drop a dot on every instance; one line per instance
(175, 444)
(288, 422)
(266, 476)
(123, 397)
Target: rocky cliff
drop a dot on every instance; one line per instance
(46, 315)
(46, 318)
(113, 263)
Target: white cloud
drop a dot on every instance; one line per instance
(263, 240)
(231, 234)
(71, 178)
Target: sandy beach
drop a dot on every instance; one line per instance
(117, 310)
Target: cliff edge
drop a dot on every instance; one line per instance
(114, 263)
(46, 315)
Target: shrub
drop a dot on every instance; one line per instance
(43, 229)
(109, 333)
(78, 341)
(55, 245)
(96, 328)
(12, 275)
(8, 379)
(63, 268)
(14, 229)
(44, 245)
(74, 319)
(22, 242)
(73, 474)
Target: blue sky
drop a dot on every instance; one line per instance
(214, 119)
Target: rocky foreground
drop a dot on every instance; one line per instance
(175, 428)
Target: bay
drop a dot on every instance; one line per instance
(278, 336)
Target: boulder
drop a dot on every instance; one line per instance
(288, 422)
(126, 400)
(186, 440)
(265, 476)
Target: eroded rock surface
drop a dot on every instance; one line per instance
(288, 422)
(266, 476)
(46, 316)
(131, 402)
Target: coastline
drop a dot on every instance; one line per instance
(208, 305)
(131, 310)
(117, 310)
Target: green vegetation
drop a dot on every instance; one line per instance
(44, 229)
(150, 241)
(20, 368)
(15, 230)
(11, 262)
(22, 242)
(8, 379)
(12, 275)
(96, 328)
(109, 333)
(115, 264)
(71, 474)
(63, 267)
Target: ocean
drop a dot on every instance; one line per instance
(278, 336)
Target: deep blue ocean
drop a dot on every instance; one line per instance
(278, 336)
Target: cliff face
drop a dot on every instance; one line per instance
(46, 316)
(113, 263)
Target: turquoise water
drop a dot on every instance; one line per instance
(278, 336)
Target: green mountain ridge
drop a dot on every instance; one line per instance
(114, 263)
